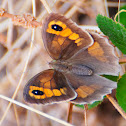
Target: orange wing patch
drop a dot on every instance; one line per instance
(46, 92)
(79, 41)
(66, 32)
(96, 51)
(63, 90)
(84, 91)
(57, 92)
(73, 36)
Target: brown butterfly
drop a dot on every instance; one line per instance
(80, 57)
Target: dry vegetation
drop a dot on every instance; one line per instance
(15, 39)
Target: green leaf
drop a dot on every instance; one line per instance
(90, 106)
(80, 106)
(115, 32)
(110, 77)
(122, 16)
(96, 103)
(121, 92)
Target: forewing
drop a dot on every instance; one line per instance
(99, 57)
(62, 37)
(90, 88)
(49, 86)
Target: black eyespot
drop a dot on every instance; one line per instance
(57, 27)
(37, 92)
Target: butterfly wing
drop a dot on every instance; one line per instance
(62, 38)
(99, 57)
(49, 86)
(90, 88)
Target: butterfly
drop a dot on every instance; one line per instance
(79, 58)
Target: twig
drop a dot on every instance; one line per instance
(118, 14)
(16, 115)
(85, 114)
(25, 20)
(70, 108)
(122, 60)
(116, 105)
(36, 111)
(3, 40)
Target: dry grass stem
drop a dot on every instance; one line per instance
(85, 115)
(69, 115)
(116, 105)
(122, 60)
(34, 110)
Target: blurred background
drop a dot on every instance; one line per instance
(14, 47)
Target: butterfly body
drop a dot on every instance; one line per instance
(76, 69)
(80, 57)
